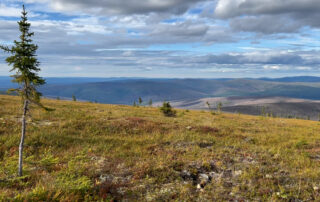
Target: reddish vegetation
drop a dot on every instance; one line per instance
(206, 129)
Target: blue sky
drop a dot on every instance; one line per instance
(169, 38)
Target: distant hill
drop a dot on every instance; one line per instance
(127, 91)
(273, 106)
(5, 81)
(310, 79)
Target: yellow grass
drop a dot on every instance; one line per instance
(85, 151)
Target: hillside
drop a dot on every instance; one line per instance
(127, 91)
(273, 106)
(84, 151)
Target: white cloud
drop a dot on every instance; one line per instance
(79, 36)
(233, 8)
(9, 11)
(111, 7)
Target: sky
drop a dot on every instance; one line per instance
(169, 38)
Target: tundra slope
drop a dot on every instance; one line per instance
(84, 151)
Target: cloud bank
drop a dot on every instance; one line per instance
(176, 38)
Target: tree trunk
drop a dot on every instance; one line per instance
(23, 132)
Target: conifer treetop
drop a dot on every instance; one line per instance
(24, 62)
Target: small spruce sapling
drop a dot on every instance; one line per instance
(210, 108)
(25, 65)
(219, 107)
(140, 101)
(167, 109)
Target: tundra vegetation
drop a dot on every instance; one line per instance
(167, 109)
(88, 151)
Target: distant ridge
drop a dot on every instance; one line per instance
(127, 90)
(293, 79)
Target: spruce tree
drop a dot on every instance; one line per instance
(167, 109)
(150, 103)
(25, 65)
(74, 98)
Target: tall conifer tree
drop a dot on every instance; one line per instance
(25, 65)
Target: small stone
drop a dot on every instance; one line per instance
(214, 175)
(205, 145)
(268, 176)
(189, 127)
(238, 172)
(315, 188)
(249, 140)
(185, 175)
(104, 178)
(199, 186)
(204, 177)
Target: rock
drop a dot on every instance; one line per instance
(268, 176)
(315, 157)
(205, 145)
(315, 188)
(204, 178)
(189, 127)
(104, 178)
(214, 175)
(238, 172)
(186, 175)
(45, 123)
(249, 160)
(249, 140)
(94, 158)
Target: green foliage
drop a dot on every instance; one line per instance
(167, 110)
(73, 178)
(74, 98)
(26, 67)
(263, 111)
(150, 103)
(140, 101)
(211, 109)
(48, 161)
(301, 144)
(73, 183)
(219, 107)
(209, 106)
(39, 193)
(24, 62)
(9, 166)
